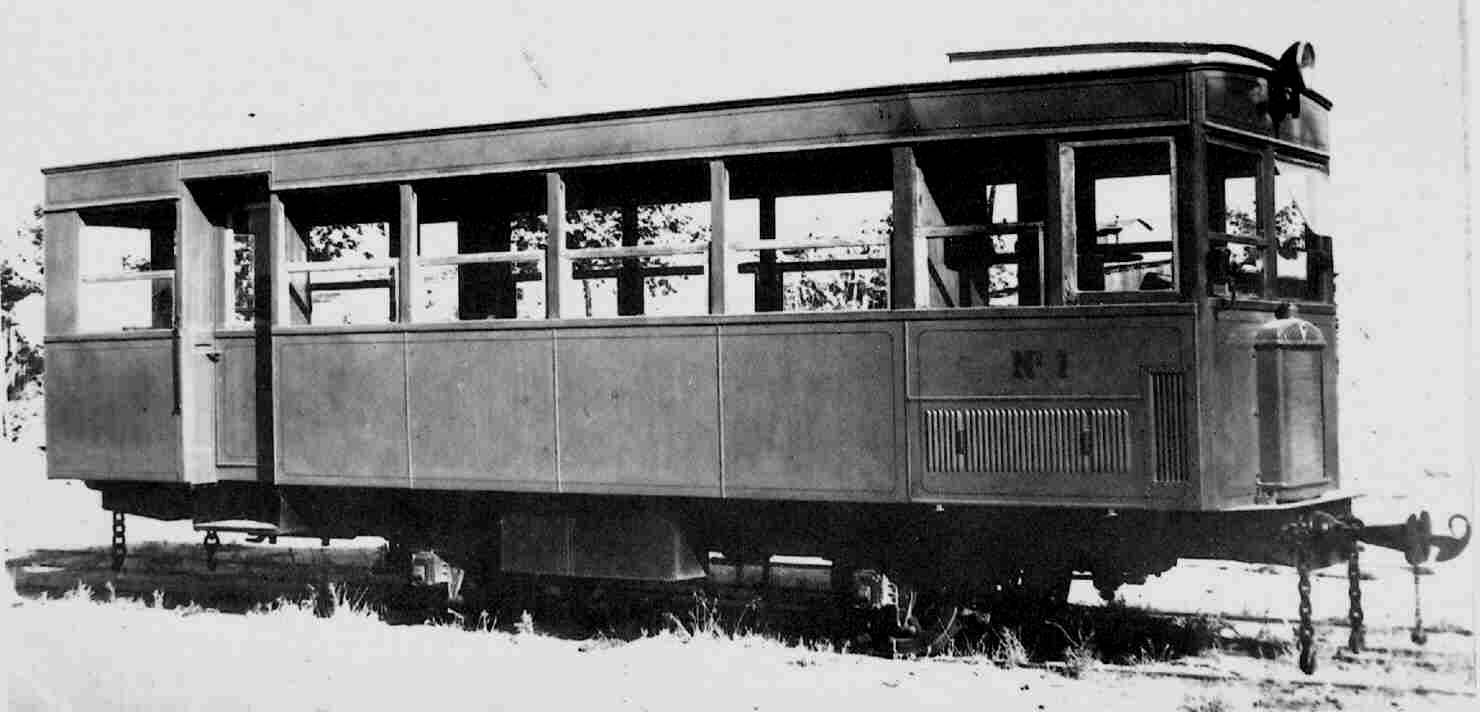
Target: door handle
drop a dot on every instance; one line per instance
(211, 353)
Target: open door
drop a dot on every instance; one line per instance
(223, 323)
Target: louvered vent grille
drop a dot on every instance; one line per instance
(1168, 417)
(1027, 440)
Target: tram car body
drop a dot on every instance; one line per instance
(1106, 335)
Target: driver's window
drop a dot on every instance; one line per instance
(1120, 217)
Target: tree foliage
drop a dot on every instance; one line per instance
(21, 269)
(840, 290)
(325, 243)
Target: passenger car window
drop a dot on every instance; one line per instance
(1301, 253)
(1237, 251)
(126, 264)
(1121, 214)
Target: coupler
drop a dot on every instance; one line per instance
(1320, 537)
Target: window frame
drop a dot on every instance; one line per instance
(1069, 224)
(1263, 212)
(1321, 283)
(122, 276)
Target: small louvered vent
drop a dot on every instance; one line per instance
(1167, 413)
(1027, 440)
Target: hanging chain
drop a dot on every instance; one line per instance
(1419, 637)
(1358, 639)
(120, 542)
(1306, 634)
(212, 545)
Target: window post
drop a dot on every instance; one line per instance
(408, 231)
(768, 285)
(164, 304)
(631, 284)
(719, 248)
(554, 244)
(278, 228)
(1264, 206)
(909, 275)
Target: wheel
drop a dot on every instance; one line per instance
(1037, 593)
(1048, 589)
(212, 546)
(1108, 584)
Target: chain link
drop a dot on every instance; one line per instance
(1419, 637)
(212, 545)
(1306, 634)
(120, 542)
(1358, 640)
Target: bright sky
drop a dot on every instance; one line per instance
(92, 81)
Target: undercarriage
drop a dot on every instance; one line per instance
(892, 565)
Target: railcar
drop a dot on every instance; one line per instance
(978, 333)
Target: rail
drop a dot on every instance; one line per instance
(358, 265)
(136, 276)
(481, 258)
(762, 245)
(632, 251)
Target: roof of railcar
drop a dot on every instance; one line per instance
(1001, 79)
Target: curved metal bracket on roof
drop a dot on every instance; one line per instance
(1285, 90)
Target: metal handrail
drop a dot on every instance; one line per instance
(478, 258)
(762, 245)
(591, 253)
(149, 275)
(936, 232)
(302, 267)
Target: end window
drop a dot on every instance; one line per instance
(1302, 255)
(1237, 255)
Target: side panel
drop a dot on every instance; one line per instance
(482, 410)
(113, 184)
(227, 165)
(1331, 388)
(109, 406)
(1003, 409)
(236, 408)
(1089, 410)
(813, 411)
(1231, 422)
(639, 410)
(341, 410)
(782, 410)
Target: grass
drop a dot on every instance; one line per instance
(1080, 655)
(1203, 703)
(1082, 638)
(1010, 651)
(333, 601)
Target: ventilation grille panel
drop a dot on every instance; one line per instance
(1167, 413)
(1027, 440)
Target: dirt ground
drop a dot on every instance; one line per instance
(78, 654)
(202, 646)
